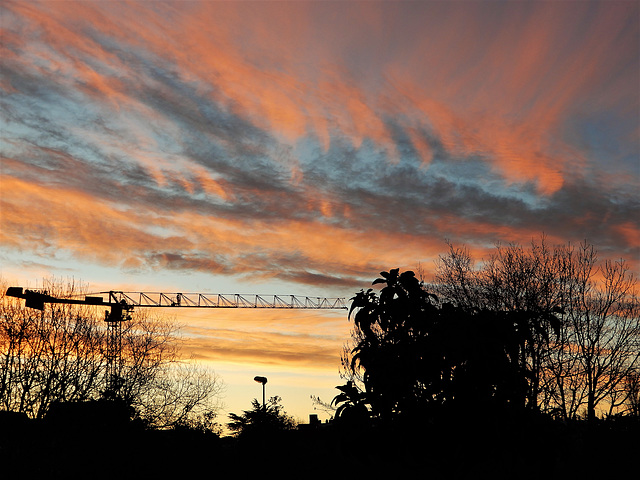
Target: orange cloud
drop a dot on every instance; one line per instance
(501, 93)
(501, 97)
(299, 339)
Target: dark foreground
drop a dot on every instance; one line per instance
(441, 450)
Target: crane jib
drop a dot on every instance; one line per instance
(38, 298)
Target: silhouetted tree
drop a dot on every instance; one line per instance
(416, 355)
(261, 420)
(57, 355)
(511, 280)
(351, 405)
(580, 363)
(632, 387)
(48, 356)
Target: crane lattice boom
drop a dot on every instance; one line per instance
(37, 299)
(217, 300)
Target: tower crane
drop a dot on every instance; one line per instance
(121, 305)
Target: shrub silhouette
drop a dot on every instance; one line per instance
(261, 420)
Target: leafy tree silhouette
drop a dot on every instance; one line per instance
(261, 419)
(418, 356)
(351, 405)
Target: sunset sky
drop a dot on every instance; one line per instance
(301, 148)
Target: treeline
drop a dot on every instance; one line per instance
(520, 365)
(58, 355)
(542, 329)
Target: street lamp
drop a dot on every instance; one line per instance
(263, 381)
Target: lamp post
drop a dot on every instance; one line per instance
(263, 381)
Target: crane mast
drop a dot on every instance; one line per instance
(121, 305)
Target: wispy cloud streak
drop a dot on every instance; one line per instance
(317, 143)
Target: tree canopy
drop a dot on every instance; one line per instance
(416, 353)
(58, 355)
(545, 330)
(261, 420)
